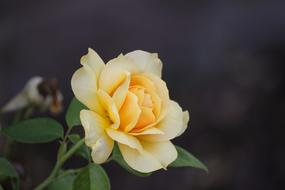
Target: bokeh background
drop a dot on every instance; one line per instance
(223, 61)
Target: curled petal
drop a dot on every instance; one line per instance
(163, 94)
(164, 152)
(109, 106)
(139, 92)
(171, 125)
(130, 112)
(124, 63)
(153, 157)
(146, 62)
(186, 119)
(157, 103)
(124, 138)
(149, 131)
(120, 94)
(93, 61)
(111, 78)
(140, 80)
(102, 149)
(93, 125)
(147, 117)
(84, 86)
(141, 161)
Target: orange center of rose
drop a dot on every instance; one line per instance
(141, 106)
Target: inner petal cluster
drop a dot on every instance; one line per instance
(139, 109)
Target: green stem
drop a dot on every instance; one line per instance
(66, 134)
(58, 165)
(70, 171)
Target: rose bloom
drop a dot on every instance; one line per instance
(128, 103)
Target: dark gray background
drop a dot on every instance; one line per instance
(223, 61)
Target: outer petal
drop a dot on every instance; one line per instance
(93, 125)
(124, 138)
(146, 62)
(93, 61)
(171, 125)
(164, 152)
(124, 63)
(102, 149)
(186, 119)
(84, 86)
(111, 78)
(115, 73)
(140, 161)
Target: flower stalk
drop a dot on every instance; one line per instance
(61, 160)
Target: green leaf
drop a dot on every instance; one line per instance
(63, 182)
(92, 177)
(38, 130)
(84, 151)
(6, 169)
(1, 188)
(72, 115)
(186, 159)
(117, 157)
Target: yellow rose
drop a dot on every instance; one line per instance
(128, 103)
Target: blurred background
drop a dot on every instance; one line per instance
(223, 61)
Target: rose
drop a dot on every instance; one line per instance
(128, 103)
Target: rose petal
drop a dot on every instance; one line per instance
(162, 92)
(149, 131)
(146, 118)
(110, 108)
(141, 161)
(139, 92)
(124, 63)
(130, 112)
(93, 125)
(93, 61)
(143, 81)
(171, 125)
(186, 119)
(146, 62)
(120, 94)
(84, 86)
(102, 149)
(165, 152)
(124, 138)
(111, 78)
